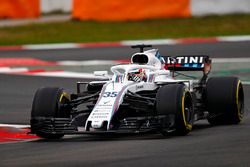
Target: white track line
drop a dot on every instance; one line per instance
(246, 82)
(151, 42)
(14, 126)
(231, 60)
(50, 46)
(239, 38)
(86, 63)
(12, 70)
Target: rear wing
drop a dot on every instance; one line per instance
(188, 63)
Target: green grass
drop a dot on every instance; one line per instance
(91, 31)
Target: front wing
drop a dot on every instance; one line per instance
(128, 125)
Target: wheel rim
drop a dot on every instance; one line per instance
(187, 109)
(64, 99)
(240, 100)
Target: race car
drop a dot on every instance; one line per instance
(143, 96)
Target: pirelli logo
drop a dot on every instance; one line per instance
(185, 60)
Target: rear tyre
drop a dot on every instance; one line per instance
(47, 103)
(176, 102)
(225, 100)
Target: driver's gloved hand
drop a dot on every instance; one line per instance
(136, 78)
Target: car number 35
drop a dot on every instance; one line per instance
(110, 94)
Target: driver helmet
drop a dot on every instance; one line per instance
(137, 75)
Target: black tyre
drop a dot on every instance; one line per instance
(47, 103)
(176, 102)
(225, 100)
(94, 87)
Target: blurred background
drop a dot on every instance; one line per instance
(121, 9)
(60, 21)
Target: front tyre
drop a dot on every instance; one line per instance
(48, 103)
(175, 101)
(225, 100)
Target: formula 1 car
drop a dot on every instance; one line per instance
(141, 97)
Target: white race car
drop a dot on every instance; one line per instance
(142, 96)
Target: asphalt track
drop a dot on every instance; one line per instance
(204, 146)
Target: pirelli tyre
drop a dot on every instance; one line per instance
(175, 102)
(224, 100)
(47, 103)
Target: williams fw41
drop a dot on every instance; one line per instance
(143, 96)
